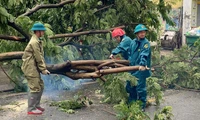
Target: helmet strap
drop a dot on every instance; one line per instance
(121, 37)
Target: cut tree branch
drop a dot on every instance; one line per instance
(100, 73)
(104, 64)
(18, 55)
(79, 46)
(70, 39)
(88, 68)
(84, 33)
(103, 79)
(11, 55)
(38, 7)
(97, 62)
(12, 38)
(8, 76)
(81, 68)
(19, 29)
(103, 8)
(20, 39)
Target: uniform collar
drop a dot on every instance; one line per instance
(123, 38)
(37, 38)
(140, 40)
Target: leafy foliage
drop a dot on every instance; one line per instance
(114, 88)
(164, 114)
(16, 76)
(180, 68)
(154, 89)
(133, 112)
(130, 112)
(69, 106)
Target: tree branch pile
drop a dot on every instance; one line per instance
(91, 68)
(82, 68)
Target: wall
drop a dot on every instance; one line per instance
(191, 15)
(187, 15)
(198, 15)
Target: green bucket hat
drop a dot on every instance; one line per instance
(139, 28)
(38, 26)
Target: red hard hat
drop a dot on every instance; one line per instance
(117, 32)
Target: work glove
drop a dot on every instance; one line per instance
(143, 68)
(45, 72)
(111, 56)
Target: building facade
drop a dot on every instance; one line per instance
(191, 16)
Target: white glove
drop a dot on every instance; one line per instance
(111, 56)
(45, 72)
(142, 68)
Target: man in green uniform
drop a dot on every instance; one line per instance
(33, 65)
(124, 43)
(140, 55)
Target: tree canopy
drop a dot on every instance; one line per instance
(76, 29)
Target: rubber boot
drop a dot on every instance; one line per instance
(32, 99)
(38, 102)
(35, 112)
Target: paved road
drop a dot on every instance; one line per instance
(185, 104)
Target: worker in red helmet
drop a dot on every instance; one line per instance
(124, 43)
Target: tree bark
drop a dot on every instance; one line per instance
(105, 64)
(70, 39)
(11, 55)
(89, 72)
(12, 38)
(97, 62)
(100, 73)
(19, 29)
(88, 68)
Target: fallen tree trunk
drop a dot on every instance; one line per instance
(11, 55)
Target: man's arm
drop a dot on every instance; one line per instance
(122, 47)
